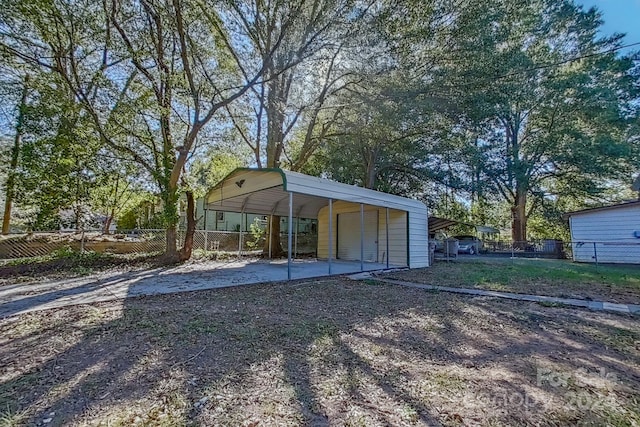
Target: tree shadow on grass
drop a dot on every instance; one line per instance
(315, 353)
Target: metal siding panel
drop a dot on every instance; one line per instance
(349, 235)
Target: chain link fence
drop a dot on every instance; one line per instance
(548, 248)
(611, 252)
(142, 242)
(303, 244)
(605, 252)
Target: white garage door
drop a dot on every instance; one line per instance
(349, 236)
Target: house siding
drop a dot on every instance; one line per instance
(612, 232)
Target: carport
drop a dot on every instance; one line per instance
(354, 223)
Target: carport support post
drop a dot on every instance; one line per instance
(289, 237)
(270, 225)
(204, 208)
(295, 250)
(330, 233)
(240, 237)
(361, 237)
(386, 223)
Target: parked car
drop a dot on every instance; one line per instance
(469, 245)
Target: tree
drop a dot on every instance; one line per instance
(285, 117)
(56, 157)
(117, 189)
(561, 103)
(149, 75)
(10, 185)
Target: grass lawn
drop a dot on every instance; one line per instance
(537, 277)
(328, 352)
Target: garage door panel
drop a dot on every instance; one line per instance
(349, 236)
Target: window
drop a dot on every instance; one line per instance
(219, 216)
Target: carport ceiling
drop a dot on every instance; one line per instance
(266, 191)
(271, 201)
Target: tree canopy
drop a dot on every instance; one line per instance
(491, 104)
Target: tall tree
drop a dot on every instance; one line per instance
(10, 186)
(556, 105)
(284, 118)
(150, 75)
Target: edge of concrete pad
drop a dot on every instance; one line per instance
(570, 302)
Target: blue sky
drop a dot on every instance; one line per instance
(620, 16)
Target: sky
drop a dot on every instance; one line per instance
(620, 16)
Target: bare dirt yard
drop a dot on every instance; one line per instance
(319, 352)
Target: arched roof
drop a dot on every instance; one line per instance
(265, 191)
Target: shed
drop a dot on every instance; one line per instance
(353, 223)
(607, 234)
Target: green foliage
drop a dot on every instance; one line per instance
(71, 254)
(209, 169)
(57, 166)
(128, 220)
(257, 232)
(143, 214)
(482, 98)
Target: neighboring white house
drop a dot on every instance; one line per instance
(353, 222)
(610, 234)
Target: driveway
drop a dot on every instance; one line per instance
(26, 297)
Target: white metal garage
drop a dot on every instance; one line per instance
(353, 223)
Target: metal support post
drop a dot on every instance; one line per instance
(240, 238)
(289, 235)
(330, 233)
(295, 250)
(270, 227)
(387, 239)
(361, 237)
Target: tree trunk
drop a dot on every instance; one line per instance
(519, 219)
(187, 248)
(171, 248)
(15, 155)
(370, 180)
(107, 224)
(273, 233)
(171, 218)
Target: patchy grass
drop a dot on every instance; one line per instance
(328, 352)
(538, 277)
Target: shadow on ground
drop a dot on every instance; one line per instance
(318, 353)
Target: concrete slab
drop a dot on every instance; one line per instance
(26, 297)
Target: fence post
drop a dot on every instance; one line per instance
(206, 234)
(595, 253)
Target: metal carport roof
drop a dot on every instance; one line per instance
(265, 191)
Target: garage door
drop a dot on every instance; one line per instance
(349, 236)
